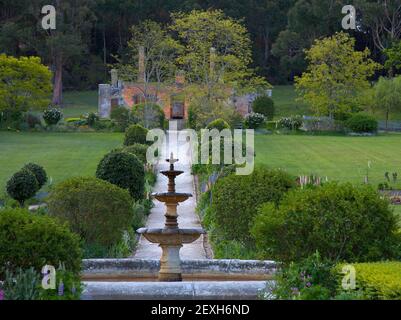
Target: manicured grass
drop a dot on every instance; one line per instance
(339, 158)
(77, 103)
(63, 155)
(285, 102)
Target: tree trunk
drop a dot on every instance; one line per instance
(58, 82)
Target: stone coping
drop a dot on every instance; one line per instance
(214, 270)
(232, 290)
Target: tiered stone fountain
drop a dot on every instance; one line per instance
(171, 238)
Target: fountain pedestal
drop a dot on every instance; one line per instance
(171, 238)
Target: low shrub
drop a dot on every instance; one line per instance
(97, 210)
(39, 172)
(309, 279)
(361, 123)
(218, 124)
(235, 200)
(28, 240)
(22, 186)
(92, 119)
(264, 105)
(377, 281)
(341, 221)
(52, 116)
(290, 123)
(254, 120)
(124, 170)
(32, 120)
(148, 115)
(135, 134)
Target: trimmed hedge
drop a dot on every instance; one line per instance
(135, 134)
(378, 281)
(39, 172)
(97, 210)
(139, 150)
(124, 170)
(361, 123)
(28, 240)
(235, 200)
(341, 221)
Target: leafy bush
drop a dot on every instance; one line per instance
(361, 123)
(236, 198)
(264, 105)
(52, 116)
(148, 115)
(309, 279)
(92, 119)
(22, 186)
(378, 281)
(39, 172)
(218, 124)
(254, 120)
(291, 123)
(124, 170)
(121, 118)
(97, 210)
(137, 149)
(28, 240)
(341, 221)
(135, 134)
(32, 120)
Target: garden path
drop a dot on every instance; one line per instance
(187, 217)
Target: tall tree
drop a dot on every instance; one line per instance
(336, 75)
(388, 96)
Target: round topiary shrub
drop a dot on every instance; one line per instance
(22, 186)
(139, 150)
(124, 170)
(236, 199)
(149, 115)
(135, 134)
(39, 172)
(219, 124)
(341, 221)
(97, 210)
(362, 123)
(254, 120)
(29, 240)
(92, 119)
(264, 105)
(52, 116)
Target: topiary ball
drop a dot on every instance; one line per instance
(135, 134)
(39, 172)
(124, 170)
(22, 186)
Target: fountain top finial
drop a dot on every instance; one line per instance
(172, 160)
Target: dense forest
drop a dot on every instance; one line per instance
(90, 33)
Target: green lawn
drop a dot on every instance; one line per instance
(337, 157)
(285, 102)
(63, 155)
(78, 103)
